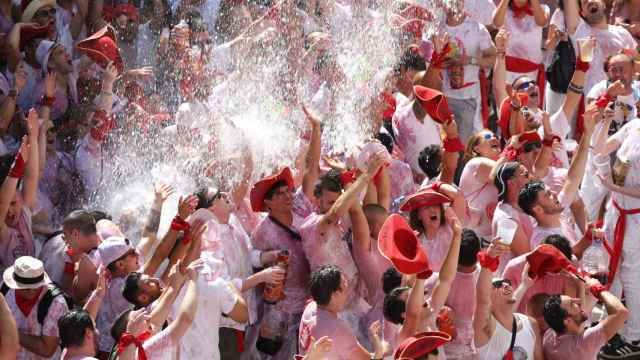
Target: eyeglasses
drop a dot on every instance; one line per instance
(526, 85)
(499, 284)
(532, 145)
(42, 13)
(489, 136)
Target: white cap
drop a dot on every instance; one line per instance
(113, 248)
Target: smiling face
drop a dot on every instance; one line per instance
(548, 203)
(281, 200)
(525, 85)
(487, 145)
(621, 68)
(502, 294)
(520, 179)
(45, 15)
(150, 289)
(60, 60)
(576, 317)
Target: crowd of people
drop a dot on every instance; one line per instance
(484, 208)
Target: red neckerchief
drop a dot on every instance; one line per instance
(520, 11)
(127, 339)
(26, 305)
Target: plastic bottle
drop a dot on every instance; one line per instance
(274, 293)
(595, 261)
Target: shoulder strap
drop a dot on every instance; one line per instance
(514, 332)
(4, 289)
(45, 303)
(294, 234)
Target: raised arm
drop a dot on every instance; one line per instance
(9, 341)
(413, 311)
(95, 300)
(79, 16)
(540, 16)
(160, 312)
(10, 183)
(543, 161)
(360, 228)
(617, 312)
(525, 284)
(242, 187)
(187, 311)
(32, 169)
(500, 15)
(312, 159)
(571, 15)
(579, 162)
(449, 266)
(109, 76)
(500, 67)
(152, 221)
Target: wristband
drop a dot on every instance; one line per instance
(69, 268)
(575, 88)
(17, 169)
(423, 275)
(47, 100)
(581, 65)
(452, 145)
(488, 262)
(348, 177)
(178, 224)
(603, 101)
(596, 290)
(549, 141)
(510, 153)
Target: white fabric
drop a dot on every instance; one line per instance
(501, 339)
(526, 40)
(412, 135)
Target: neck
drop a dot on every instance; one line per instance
(330, 308)
(548, 220)
(504, 314)
(82, 351)
(90, 245)
(285, 217)
(430, 232)
(512, 198)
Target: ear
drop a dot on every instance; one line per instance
(509, 90)
(537, 210)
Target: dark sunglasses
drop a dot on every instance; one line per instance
(499, 284)
(526, 85)
(532, 145)
(42, 13)
(488, 136)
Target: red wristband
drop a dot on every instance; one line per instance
(510, 153)
(488, 262)
(424, 274)
(47, 100)
(581, 65)
(596, 290)
(178, 224)
(348, 177)
(453, 145)
(17, 169)
(549, 141)
(603, 101)
(69, 268)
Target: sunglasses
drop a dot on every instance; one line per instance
(526, 85)
(42, 13)
(532, 145)
(489, 136)
(499, 284)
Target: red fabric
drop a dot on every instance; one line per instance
(505, 118)
(391, 105)
(421, 344)
(128, 10)
(31, 31)
(618, 238)
(69, 268)
(102, 47)
(17, 169)
(399, 244)
(422, 198)
(510, 153)
(508, 355)
(525, 66)
(348, 177)
(521, 11)
(546, 259)
(438, 58)
(239, 341)
(603, 101)
(581, 65)
(26, 305)
(452, 145)
(47, 100)
(445, 323)
(424, 275)
(485, 86)
(488, 262)
(104, 124)
(127, 339)
(596, 290)
(178, 224)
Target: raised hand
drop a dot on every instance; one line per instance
(162, 192)
(452, 220)
(110, 73)
(50, 84)
(375, 162)
(380, 346)
(33, 124)
(186, 206)
(311, 116)
(616, 89)
(502, 39)
(497, 249)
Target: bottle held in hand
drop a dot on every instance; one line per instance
(275, 292)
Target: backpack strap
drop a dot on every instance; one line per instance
(45, 303)
(4, 289)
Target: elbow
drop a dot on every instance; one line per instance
(623, 313)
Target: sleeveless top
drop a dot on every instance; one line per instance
(499, 343)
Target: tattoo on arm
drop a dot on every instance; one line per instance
(153, 221)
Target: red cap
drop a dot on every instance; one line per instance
(260, 189)
(529, 137)
(423, 197)
(102, 47)
(547, 259)
(32, 31)
(399, 244)
(434, 103)
(421, 344)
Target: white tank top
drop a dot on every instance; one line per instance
(499, 343)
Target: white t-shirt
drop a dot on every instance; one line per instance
(412, 135)
(525, 40)
(215, 297)
(608, 42)
(472, 38)
(629, 137)
(625, 106)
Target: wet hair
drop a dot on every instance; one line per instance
(391, 279)
(561, 243)
(554, 314)
(430, 159)
(416, 223)
(72, 326)
(469, 248)
(100, 215)
(528, 196)
(329, 182)
(131, 288)
(272, 190)
(393, 306)
(204, 200)
(505, 172)
(386, 140)
(323, 282)
(120, 325)
(411, 60)
(81, 220)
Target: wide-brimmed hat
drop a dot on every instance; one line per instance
(423, 197)
(32, 7)
(399, 244)
(434, 103)
(260, 189)
(26, 273)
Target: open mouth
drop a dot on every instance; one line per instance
(433, 217)
(593, 8)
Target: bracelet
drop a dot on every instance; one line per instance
(17, 169)
(453, 145)
(575, 88)
(47, 100)
(488, 262)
